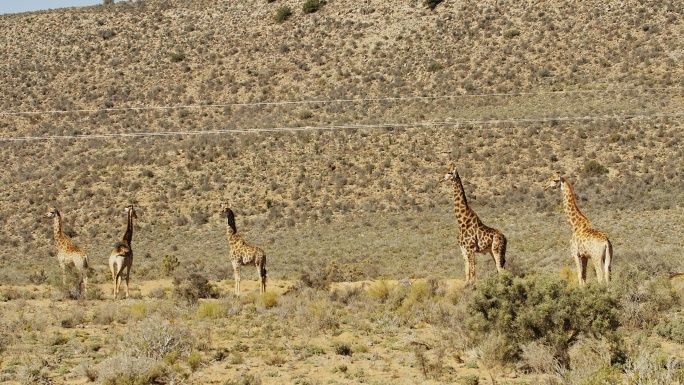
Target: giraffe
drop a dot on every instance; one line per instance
(241, 253)
(122, 256)
(587, 242)
(67, 253)
(473, 235)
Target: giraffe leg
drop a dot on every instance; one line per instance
(236, 277)
(499, 252)
(579, 262)
(85, 286)
(263, 274)
(471, 263)
(128, 274)
(608, 261)
(261, 269)
(598, 266)
(466, 264)
(113, 268)
(583, 269)
(117, 284)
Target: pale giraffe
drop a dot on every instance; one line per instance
(67, 253)
(241, 253)
(122, 256)
(473, 235)
(587, 242)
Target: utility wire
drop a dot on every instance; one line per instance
(455, 123)
(328, 101)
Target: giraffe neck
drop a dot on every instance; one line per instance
(461, 207)
(128, 236)
(572, 212)
(57, 228)
(231, 229)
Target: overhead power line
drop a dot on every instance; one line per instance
(328, 101)
(339, 127)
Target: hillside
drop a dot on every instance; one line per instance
(419, 88)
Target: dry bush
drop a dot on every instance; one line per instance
(72, 288)
(589, 356)
(106, 314)
(155, 337)
(539, 357)
(649, 366)
(191, 286)
(35, 373)
(378, 290)
(124, 369)
(432, 369)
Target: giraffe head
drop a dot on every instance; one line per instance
(230, 216)
(130, 209)
(451, 173)
(553, 182)
(52, 212)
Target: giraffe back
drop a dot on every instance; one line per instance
(244, 253)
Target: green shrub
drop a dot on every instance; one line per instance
(106, 34)
(194, 360)
(470, 379)
(311, 6)
(672, 329)
(511, 33)
(342, 348)
(283, 13)
(544, 309)
(169, 264)
(594, 168)
(434, 67)
(646, 294)
(191, 287)
(432, 4)
(177, 56)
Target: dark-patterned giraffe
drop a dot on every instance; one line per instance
(241, 253)
(67, 253)
(122, 256)
(587, 242)
(473, 235)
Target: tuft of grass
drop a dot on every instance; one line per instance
(379, 290)
(210, 310)
(194, 360)
(268, 299)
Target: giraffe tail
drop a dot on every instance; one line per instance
(504, 243)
